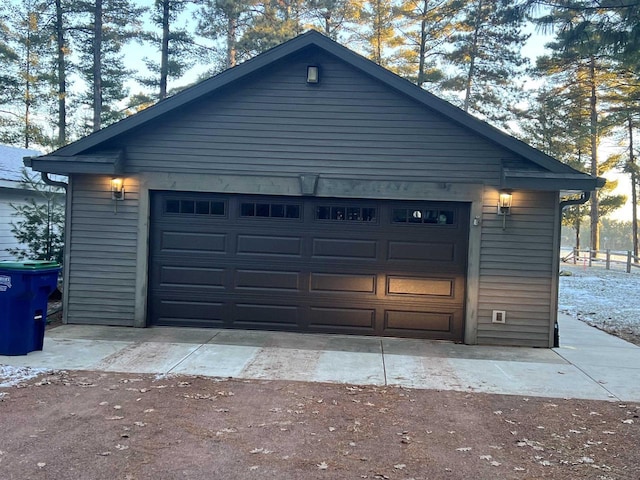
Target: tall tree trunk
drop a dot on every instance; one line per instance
(27, 86)
(378, 35)
(473, 54)
(593, 131)
(231, 42)
(423, 43)
(164, 54)
(62, 78)
(327, 23)
(634, 190)
(97, 65)
(578, 234)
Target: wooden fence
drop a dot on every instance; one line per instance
(588, 257)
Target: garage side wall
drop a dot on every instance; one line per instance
(102, 260)
(517, 270)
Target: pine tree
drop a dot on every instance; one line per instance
(426, 27)
(332, 17)
(272, 22)
(377, 33)
(61, 64)
(224, 22)
(104, 27)
(556, 125)
(487, 60)
(580, 61)
(9, 83)
(31, 46)
(175, 45)
(39, 227)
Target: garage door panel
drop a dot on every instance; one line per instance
(267, 280)
(421, 251)
(269, 245)
(193, 242)
(345, 283)
(192, 277)
(336, 265)
(191, 313)
(418, 320)
(345, 319)
(262, 315)
(432, 287)
(345, 249)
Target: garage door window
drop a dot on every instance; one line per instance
(194, 207)
(353, 214)
(270, 210)
(420, 215)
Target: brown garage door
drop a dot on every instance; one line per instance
(312, 265)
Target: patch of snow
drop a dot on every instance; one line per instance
(607, 299)
(12, 376)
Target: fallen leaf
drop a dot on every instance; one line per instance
(463, 449)
(41, 464)
(629, 421)
(332, 429)
(122, 447)
(400, 466)
(322, 466)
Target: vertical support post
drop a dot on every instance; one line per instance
(608, 259)
(628, 261)
(576, 253)
(591, 254)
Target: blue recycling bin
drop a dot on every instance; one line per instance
(24, 291)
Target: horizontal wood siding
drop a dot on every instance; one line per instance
(102, 266)
(7, 239)
(348, 125)
(10, 197)
(516, 269)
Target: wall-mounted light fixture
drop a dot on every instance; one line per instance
(313, 74)
(504, 206)
(117, 188)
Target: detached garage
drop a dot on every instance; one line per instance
(311, 190)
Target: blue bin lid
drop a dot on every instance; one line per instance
(29, 265)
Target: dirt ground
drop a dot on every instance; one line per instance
(93, 425)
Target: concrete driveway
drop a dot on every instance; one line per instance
(590, 364)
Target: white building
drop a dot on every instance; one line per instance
(12, 192)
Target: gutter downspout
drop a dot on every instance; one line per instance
(53, 183)
(584, 198)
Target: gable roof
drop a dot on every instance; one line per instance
(11, 162)
(111, 163)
